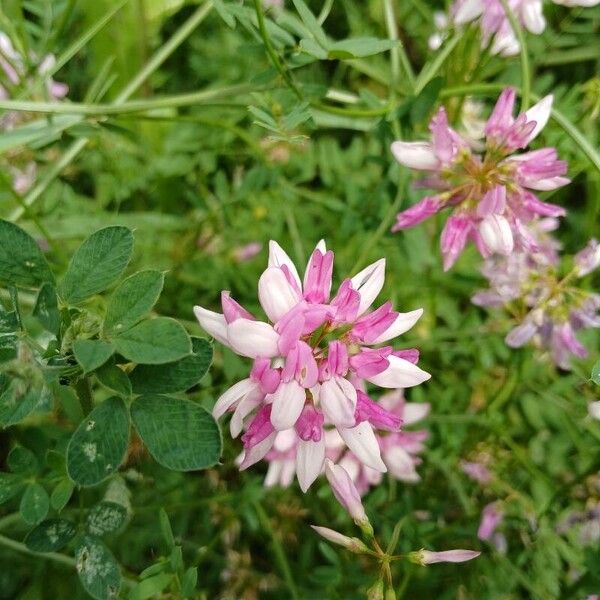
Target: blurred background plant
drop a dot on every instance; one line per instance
(210, 128)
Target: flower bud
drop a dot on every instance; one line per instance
(496, 235)
(350, 543)
(426, 557)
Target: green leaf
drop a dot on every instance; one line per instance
(97, 263)
(17, 403)
(311, 22)
(98, 446)
(177, 376)
(50, 535)
(151, 587)
(106, 517)
(91, 354)
(8, 347)
(224, 13)
(22, 460)
(9, 321)
(154, 341)
(21, 260)
(166, 529)
(596, 373)
(179, 434)
(189, 581)
(426, 100)
(61, 494)
(10, 485)
(359, 47)
(97, 568)
(46, 308)
(114, 378)
(132, 300)
(34, 504)
(311, 47)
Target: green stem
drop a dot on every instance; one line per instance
(430, 71)
(398, 52)
(277, 550)
(272, 54)
(525, 70)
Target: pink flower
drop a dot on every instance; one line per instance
(351, 543)
(307, 362)
(491, 517)
(247, 252)
(491, 194)
(346, 493)
(427, 557)
(476, 471)
(588, 259)
(495, 25)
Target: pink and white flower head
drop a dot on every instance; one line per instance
(495, 25)
(307, 358)
(555, 308)
(428, 557)
(493, 193)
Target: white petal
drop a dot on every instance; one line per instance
(540, 113)
(403, 322)
(400, 374)
(363, 443)
(213, 323)
(496, 234)
(234, 394)
(368, 284)
(415, 155)
(415, 411)
(253, 339)
(309, 461)
(533, 18)
(278, 257)
(401, 464)
(247, 404)
(276, 295)
(321, 246)
(338, 400)
(288, 402)
(594, 409)
(546, 185)
(257, 452)
(273, 473)
(468, 11)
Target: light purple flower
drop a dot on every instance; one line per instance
(427, 557)
(346, 493)
(491, 518)
(492, 194)
(350, 543)
(307, 364)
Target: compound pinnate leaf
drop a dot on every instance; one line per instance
(21, 260)
(106, 517)
(91, 354)
(50, 535)
(35, 504)
(154, 342)
(98, 446)
(97, 569)
(97, 263)
(132, 300)
(180, 434)
(176, 376)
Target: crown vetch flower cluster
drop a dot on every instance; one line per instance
(492, 194)
(555, 308)
(308, 359)
(495, 25)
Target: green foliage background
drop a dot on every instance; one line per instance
(183, 131)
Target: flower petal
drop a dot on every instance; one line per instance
(400, 374)
(253, 339)
(309, 461)
(363, 443)
(213, 323)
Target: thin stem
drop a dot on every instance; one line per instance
(272, 54)
(398, 52)
(430, 71)
(277, 550)
(525, 70)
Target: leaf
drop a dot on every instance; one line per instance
(189, 581)
(166, 529)
(311, 22)
(50, 535)
(21, 260)
(151, 587)
(91, 354)
(179, 434)
(224, 13)
(177, 376)
(97, 569)
(8, 347)
(596, 373)
(46, 308)
(132, 300)
(311, 47)
(155, 341)
(34, 504)
(98, 446)
(10, 485)
(359, 47)
(9, 321)
(16, 403)
(97, 263)
(22, 460)
(61, 494)
(114, 378)
(105, 517)
(426, 100)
